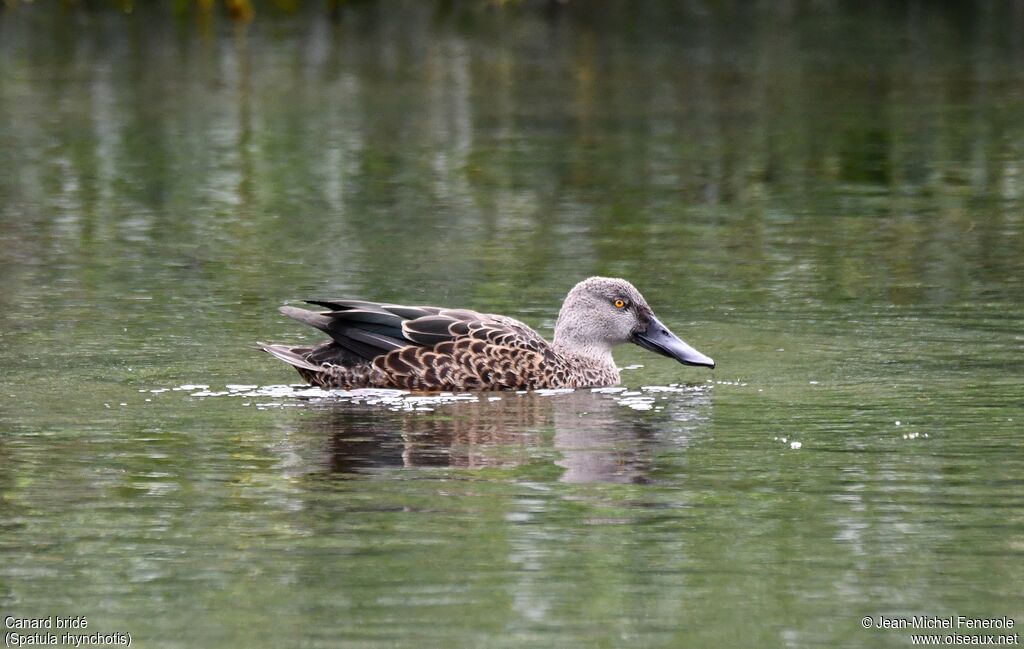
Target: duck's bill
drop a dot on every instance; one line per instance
(660, 340)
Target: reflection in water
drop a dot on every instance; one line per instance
(393, 128)
(597, 436)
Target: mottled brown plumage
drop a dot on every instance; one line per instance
(429, 348)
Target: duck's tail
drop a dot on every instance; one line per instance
(294, 356)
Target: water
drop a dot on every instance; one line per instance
(825, 199)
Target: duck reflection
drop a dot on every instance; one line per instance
(592, 436)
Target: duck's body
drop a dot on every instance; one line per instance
(429, 348)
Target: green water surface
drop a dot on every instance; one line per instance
(827, 198)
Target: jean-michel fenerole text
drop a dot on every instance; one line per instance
(948, 622)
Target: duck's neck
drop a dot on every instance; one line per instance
(593, 353)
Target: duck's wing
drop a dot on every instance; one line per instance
(362, 330)
(371, 329)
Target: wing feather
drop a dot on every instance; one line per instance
(411, 312)
(369, 316)
(430, 330)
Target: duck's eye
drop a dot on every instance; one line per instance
(619, 304)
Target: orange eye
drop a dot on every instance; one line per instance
(619, 304)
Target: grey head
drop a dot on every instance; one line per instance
(602, 312)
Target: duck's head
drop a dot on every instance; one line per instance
(602, 312)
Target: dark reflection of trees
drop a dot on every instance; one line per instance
(754, 154)
(594, 438)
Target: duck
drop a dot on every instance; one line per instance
(424, 348)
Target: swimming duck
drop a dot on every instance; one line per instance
(377, 345)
